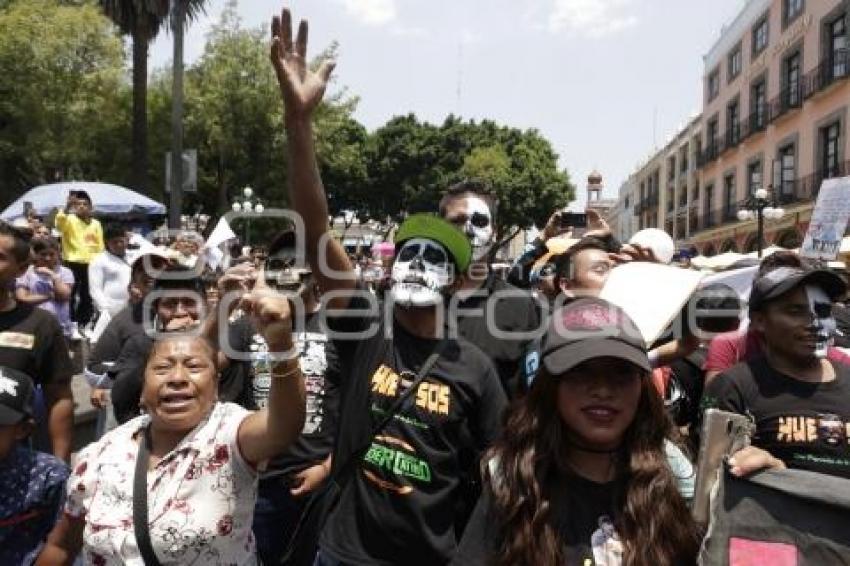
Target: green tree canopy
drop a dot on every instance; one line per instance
(61, 68)
(411, 163)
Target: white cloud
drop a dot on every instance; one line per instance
(413, 32)
(372, 12)
(591, 18)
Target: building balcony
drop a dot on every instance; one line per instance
(652, 201)
(708, 220)
(789, 98)
(733, 136)
(832, 69)
(730, 214)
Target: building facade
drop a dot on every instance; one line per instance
(664, 190)
(775, 116)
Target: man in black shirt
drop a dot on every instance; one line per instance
(494, 315)
(799, 400)
(31, 341)
(399, 493)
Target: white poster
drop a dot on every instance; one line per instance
(651, 294)
(829, 220)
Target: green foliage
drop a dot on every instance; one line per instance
(61, 71)
(234, 117)
(66, 106)
(411, 163)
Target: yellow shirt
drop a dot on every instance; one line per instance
(81, 241)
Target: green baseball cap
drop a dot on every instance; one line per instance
(434, 228)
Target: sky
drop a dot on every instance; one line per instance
(606, 81)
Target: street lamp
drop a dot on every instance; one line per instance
(249, 204)
(760, 205)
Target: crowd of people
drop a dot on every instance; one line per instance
(417, 409)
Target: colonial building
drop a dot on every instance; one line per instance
(775, 116)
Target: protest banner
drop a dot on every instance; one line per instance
(829, 220)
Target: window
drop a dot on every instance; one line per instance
(683, 160)
(729, 197)
(760, 36)
(626, 205)
(713, 85)
(711, 141)
(758, 105)
(753, 177)
(791, 9)
(735, 61)
(792, 80)
(787, 172)
(838, 58)
(830, 138)
(671, 169)
(733, 126)
(708, 213)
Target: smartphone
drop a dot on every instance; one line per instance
(573, 220)
(723, 434)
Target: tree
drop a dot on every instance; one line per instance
(411, 163)
(234, 117)
(142, 20)
(61, 73)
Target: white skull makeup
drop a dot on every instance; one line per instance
(478, 226)
(420, 273)
(822, 320)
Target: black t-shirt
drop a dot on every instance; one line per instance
(582, 516)
(399, 506)
(501, 307)
(31, 341)
(320, 367)
(806, 425)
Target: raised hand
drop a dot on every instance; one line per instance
(271, 313)
(302, 89)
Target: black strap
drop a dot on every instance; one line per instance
(398, 404)
(140, 501)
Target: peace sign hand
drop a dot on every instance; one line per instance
(302, 89)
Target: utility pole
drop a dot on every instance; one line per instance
(178, 17)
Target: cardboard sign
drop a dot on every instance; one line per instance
(651, 294)
(829, 220)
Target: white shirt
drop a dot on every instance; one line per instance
(109, 276)
(201, 496)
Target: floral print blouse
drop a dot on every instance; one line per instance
(201, 496)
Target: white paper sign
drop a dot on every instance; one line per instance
(651, 294)
(221, 234)
(829, 220)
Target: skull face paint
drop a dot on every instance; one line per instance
(823, 322)
(478, 226)
(420, 273)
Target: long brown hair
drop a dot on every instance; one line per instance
(653, 521)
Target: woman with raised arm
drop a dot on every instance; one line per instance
(178, 484)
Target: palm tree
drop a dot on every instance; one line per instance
(142, 20)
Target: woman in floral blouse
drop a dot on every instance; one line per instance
(202, 472)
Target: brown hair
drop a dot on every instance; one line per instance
(652, 519)
(470, 187)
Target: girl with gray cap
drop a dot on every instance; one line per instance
(580, 474)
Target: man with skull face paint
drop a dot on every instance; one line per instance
(486, 306)
(795, 394)
(398, 500)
